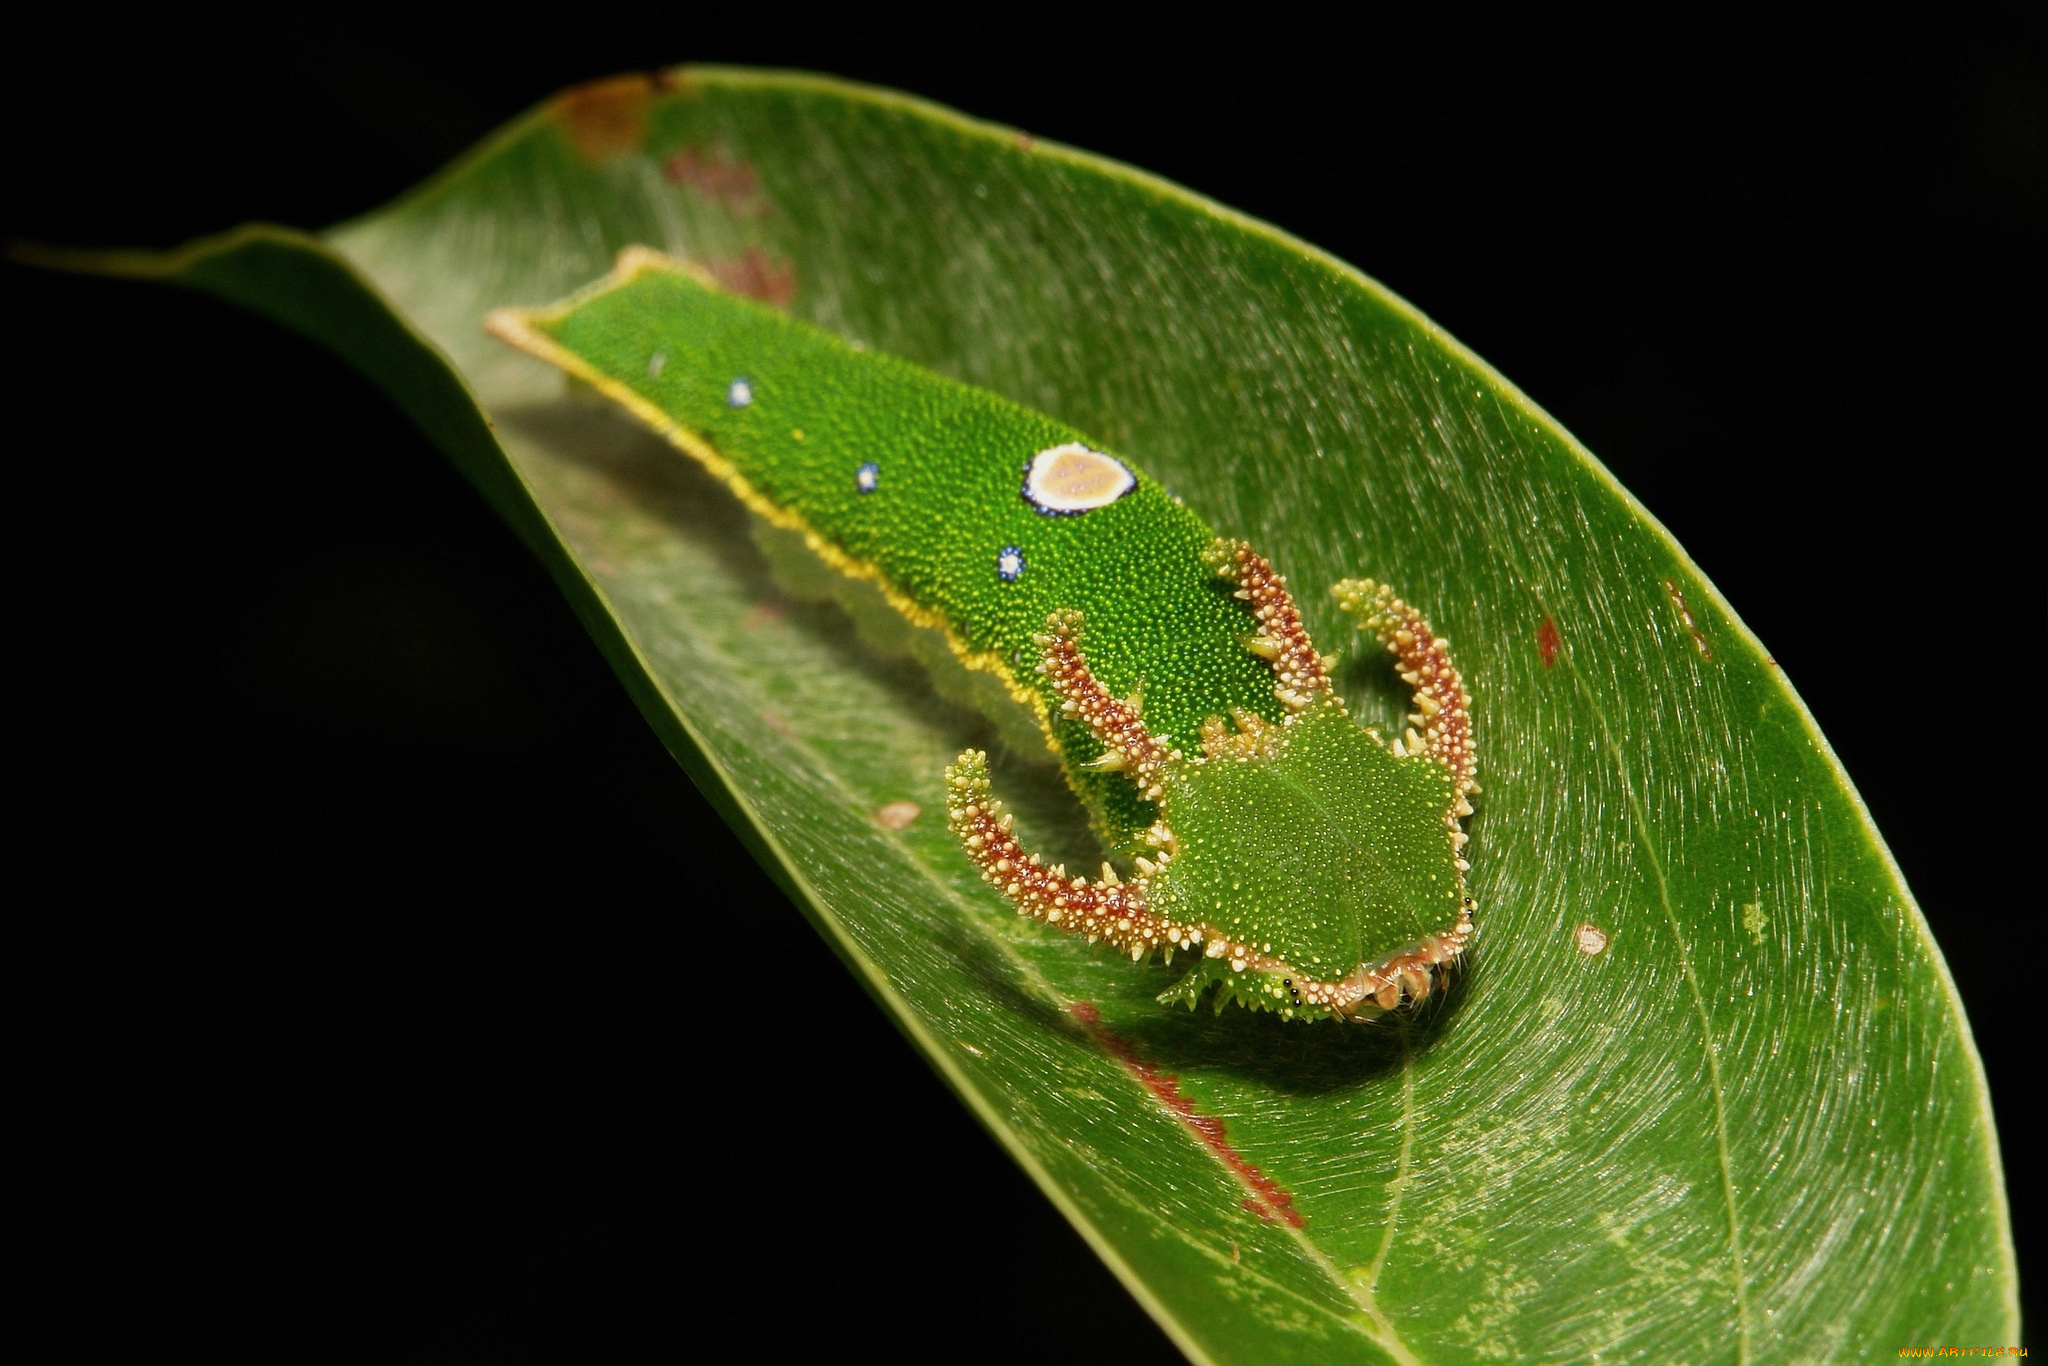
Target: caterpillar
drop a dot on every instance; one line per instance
(1308, 866)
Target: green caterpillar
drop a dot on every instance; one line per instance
(1311, 868)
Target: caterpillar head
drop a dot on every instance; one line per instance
(1316, 869)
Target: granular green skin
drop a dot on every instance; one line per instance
(948, 499)
(1299, 854)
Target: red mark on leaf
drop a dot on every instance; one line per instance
(1547, 643)
(1692, 627)
(757, 275)
(607, 118)
(1266, 1198)
(725, 180)
(764, 613)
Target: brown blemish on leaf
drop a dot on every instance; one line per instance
(1265, 1197)
(605, 119)
(898, 815)
(1692, 628)
(1547, 643)
(764, 614)
(755, 274)
(726, 180)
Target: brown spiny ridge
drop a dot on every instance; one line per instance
(1300, 672)
(1128, 747)
(1109, 909)
(1441, 724)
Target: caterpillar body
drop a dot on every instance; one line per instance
(1308, 867)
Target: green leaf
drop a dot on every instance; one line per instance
(1704, 1093)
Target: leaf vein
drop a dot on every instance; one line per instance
(1639, 820)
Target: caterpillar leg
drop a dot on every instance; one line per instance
(1441, 725)
(1106, 909)
(1404, 976)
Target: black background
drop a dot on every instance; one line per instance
(345, 979)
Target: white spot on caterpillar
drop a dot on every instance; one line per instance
(1071, 479)
(1010, 564)
(739, 393)
(657, 363)
(1592, 940)
(867, 476)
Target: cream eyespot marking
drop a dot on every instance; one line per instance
(1010, 564)
(867, 477)
(1068, 480)
(1592, 940)
(657, 363)
(739, 393)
